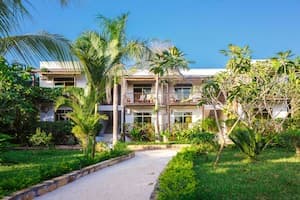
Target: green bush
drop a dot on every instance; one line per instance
(290, 139)
(249, 142)
(40, 138)
(178, 181)
(4, 141)
(61, 131)
(142, 132)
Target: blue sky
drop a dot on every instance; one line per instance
(200, 28)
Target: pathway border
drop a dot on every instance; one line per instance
(55, 183)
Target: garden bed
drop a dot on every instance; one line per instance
(21, 169)
(190, 175)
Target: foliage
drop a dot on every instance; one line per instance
(29, 47)
(86, 121)
(209, 124)
(194, 135)
(178, 180)
(41, 138)
(61, 131)
(4, 141)
(249, 142)
(101, 146)
(236, 178)
(26, 168)
(142, 132)
(290, 138)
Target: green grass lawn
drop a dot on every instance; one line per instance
(275, 176)
(20, 169)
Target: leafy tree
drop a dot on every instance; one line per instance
(254, 89)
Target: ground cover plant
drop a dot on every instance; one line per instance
(189, 175)
(21, 169)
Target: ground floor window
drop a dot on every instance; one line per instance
(61, 114)
(182, 119)
(142, 117)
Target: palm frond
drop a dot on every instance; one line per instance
(42, 46)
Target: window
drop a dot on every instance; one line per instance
(182, 92)
(60, 115)
(64, 81)
(142, 93)
(142, 118)
(183, 119)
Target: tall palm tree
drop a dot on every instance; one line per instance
(30, 47)
(109, 49)
(162, 63)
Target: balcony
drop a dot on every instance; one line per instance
(139, 98)
(187, 99)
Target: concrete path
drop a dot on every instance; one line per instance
(133, 179)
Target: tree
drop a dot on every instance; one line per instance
(31, 47)
(109, 49)
(87, 121)
(161, 63)
(258, 93)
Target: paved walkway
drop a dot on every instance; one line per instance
(133, 179)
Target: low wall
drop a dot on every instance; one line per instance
(50, 185)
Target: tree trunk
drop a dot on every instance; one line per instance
(156, 108)
(115, 112)
(223, 137)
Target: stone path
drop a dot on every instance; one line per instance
(133, 179)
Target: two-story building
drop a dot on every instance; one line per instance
(178, 96)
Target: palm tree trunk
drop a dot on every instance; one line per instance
(157, 108)
(115, 112)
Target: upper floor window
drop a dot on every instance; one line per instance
(142, 93)
(63, 81)
(182, 92)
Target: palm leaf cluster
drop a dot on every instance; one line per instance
(28, 48)
(87, 121)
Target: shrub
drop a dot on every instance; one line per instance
(40, 138)
(4, 141)
(178, 181)
(142, 132)
(249, 142)
(61, 131)
(290, 138)
(101, 146)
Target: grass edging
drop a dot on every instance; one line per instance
(57, 182)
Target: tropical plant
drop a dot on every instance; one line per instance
(41, 138)
(30, 47)
(249, 142)
(4, 142)
(107, 51)
(161, 63)
(86, 120)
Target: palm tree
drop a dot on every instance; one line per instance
(86, 120)
(31, 47)
(161, 63)
(103, 54)
(118, 49)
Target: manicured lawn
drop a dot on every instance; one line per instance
(275, 176)
(20, 169)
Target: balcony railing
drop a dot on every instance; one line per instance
(140, 98)
(175, 98)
